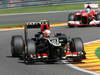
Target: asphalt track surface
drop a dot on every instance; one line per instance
(14, 66)
(53, 17)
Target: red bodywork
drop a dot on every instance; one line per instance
(84, 19)
(44, 27)
(68, 54)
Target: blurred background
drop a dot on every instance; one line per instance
(28, 3)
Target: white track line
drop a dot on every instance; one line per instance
(79, 69)
(83, 70)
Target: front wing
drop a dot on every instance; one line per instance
(77, 23)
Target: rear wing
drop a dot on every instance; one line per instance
(31, 25)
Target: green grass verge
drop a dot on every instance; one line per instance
(42, 8)
(98, 52)
(10, 25)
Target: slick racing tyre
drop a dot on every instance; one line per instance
(17, 45)
(71, 17)
(31, 47)
(76, 45)
(98, 16)
(28, 59)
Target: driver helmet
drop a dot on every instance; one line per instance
(46, 33)
(88, 10)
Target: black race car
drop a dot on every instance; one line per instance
(51, 49)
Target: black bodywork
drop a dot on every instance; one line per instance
(56, 47)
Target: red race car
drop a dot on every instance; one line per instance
(87, 17)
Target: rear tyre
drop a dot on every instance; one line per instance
(71, 17)
(31, 51)
(98, 16)
(31, 46)
(17, 45)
